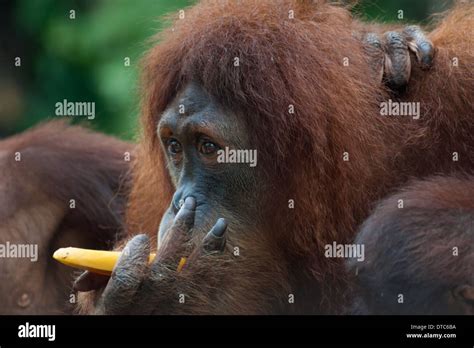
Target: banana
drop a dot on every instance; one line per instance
(96, 261)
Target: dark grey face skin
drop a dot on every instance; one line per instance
(192, 129)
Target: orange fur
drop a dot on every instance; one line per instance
(337, 109)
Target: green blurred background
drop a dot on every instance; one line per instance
(83, 59)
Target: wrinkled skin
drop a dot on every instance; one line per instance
(130, 289)
(391, 54)
(191, 141)
(207, 192)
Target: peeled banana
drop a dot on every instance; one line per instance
(96, 261)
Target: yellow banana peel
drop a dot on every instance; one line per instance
(96, 261)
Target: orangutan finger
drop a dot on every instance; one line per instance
(126, 277)
(420, 45)
(215, 240)
(397, 66)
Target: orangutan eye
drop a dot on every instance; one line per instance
(208, 148)
(173, 147)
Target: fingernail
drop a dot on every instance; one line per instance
(425, 46)
(189, 202)
(221, 226)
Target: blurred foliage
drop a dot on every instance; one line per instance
(82, 59)
(414, 11)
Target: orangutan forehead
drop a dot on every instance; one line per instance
(191, 99)
(195, 109)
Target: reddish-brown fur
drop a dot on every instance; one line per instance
(337, 109)
(423, 250)
(58, 163)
